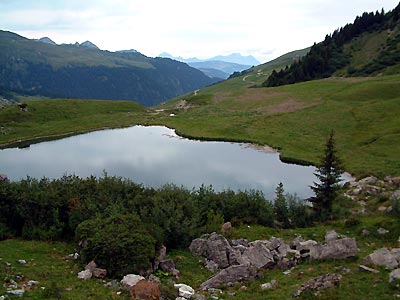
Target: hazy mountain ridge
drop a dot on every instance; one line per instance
(66, 71)
(227, 64)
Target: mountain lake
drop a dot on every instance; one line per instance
(155, 156)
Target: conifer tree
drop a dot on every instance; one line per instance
(281, 207)
(328, 174)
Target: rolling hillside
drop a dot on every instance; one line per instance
(67, 71)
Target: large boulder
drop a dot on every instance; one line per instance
(258, 255)
(220, 251)
(230, 276)
(382, 257)
(145, 290)
(335, 249)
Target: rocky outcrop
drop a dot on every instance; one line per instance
(319, 283)
(240, 260)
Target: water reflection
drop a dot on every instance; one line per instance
(155, 156)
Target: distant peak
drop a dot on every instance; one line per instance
(88, 44)
(46, 40)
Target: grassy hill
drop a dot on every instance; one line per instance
(297, 119)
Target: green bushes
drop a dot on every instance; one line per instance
(120, 243)
(52, 209)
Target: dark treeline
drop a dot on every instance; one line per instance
(328, 56)
(52, 209)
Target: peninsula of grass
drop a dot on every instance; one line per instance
(46, 119)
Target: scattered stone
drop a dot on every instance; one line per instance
(331, 235)
(396, 253)
(287, 272)
(145, 290)
(382, 257)
(319, 283)
(394, 275)
(85, 274)
(367, 269)
(162, 255)
(395, 195)
(22, 261)
(130, 280)
(184, 290)
(382, 208)
(214, 291)
(365, 232)
(18, 293)
(382, 231)
(199, 297)
(96, 272)
(269, 285)
(230, 276)
(31, 283)
(226, 227)
(258, 255)
(112, 284)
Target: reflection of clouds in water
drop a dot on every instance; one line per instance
(155, 156)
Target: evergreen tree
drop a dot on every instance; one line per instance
(328, 174)
(281, 207)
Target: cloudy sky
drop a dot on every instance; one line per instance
(262, 28)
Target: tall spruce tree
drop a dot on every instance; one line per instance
(281, 207)
(328, 174)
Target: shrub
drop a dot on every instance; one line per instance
(120, 243)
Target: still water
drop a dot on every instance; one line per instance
(155, 156)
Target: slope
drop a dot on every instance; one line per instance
(34, 68)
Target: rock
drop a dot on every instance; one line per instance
(226, 227)
(167, 265)
(368, 180)
(269, 285)
(96, 272)
(31, 283)
(130, 280)
(366, 269)
(112, 284)
(154, 278)
(85, 274)
(230, 276)
(382, 208)
(382, 257)
(198, 246)
(220, 251)
(99, 273)
(337, 249)
(365, 232)
(162, 255)
(184, 290)
(18, 293)
(395, 195)
(394, 275)
(331, 236)
(319, 283)
(22, 261)
(145, 290)
(199, 297)
(258, 255)
(396, 253)
(240, 242)
(211, 265)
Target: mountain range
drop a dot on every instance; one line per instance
(84, 71)
(221, 66)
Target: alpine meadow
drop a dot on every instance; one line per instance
(334, 105)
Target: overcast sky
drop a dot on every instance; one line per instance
(202, 28)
